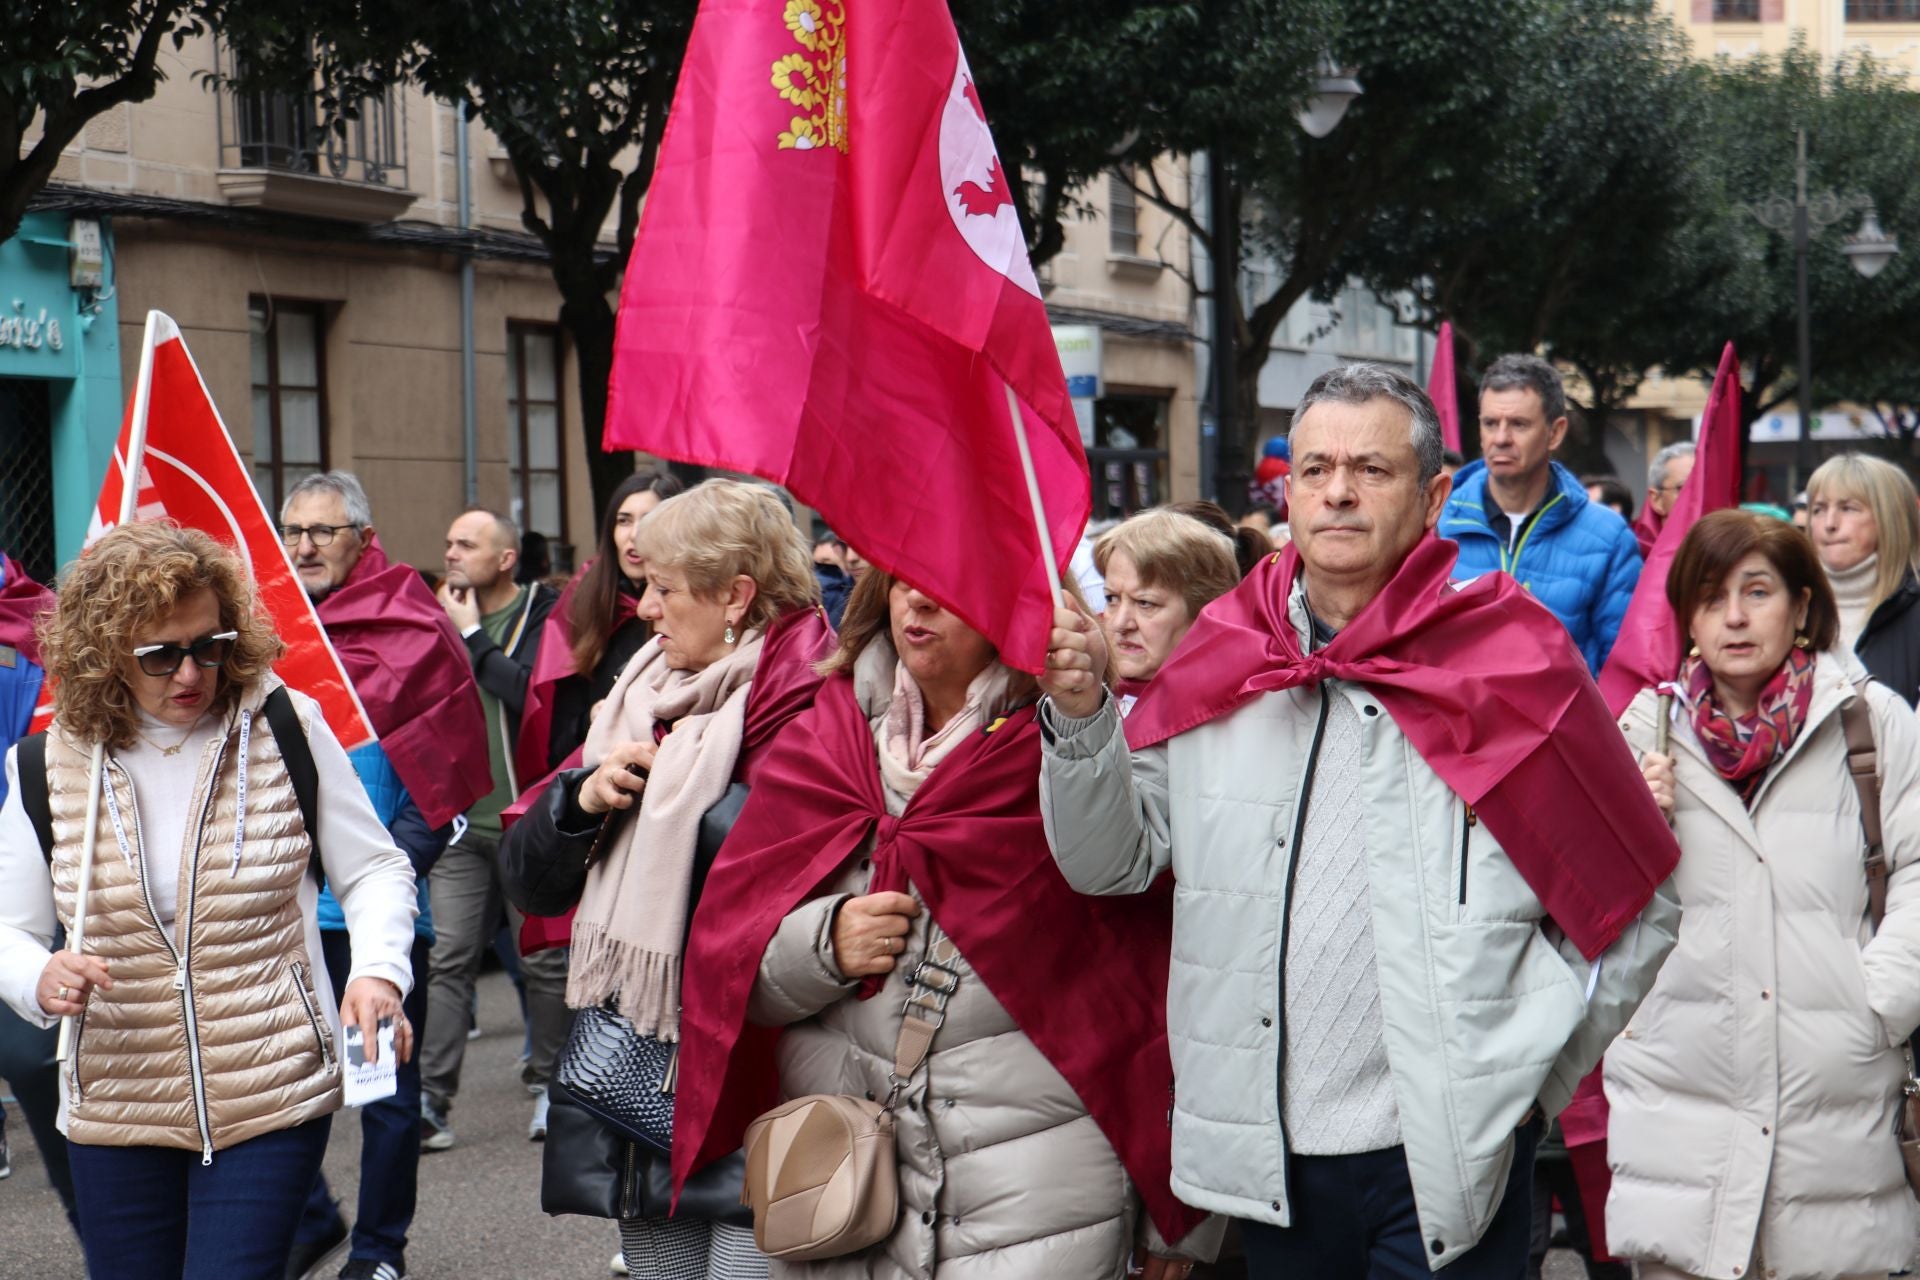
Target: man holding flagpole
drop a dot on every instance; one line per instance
(1424, 921)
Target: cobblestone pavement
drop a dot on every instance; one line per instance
(479, 1216)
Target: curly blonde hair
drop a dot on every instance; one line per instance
(723, 529)
(127, 583)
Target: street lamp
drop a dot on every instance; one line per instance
(1333, 92)
(1869, 249)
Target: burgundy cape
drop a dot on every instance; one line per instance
(784, 683)
(414, 677)
(1085, 977)
(22, 601)
(1488, 688)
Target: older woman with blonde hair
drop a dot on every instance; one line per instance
(206, 1064)
(1864, 519)
(1161, 567)
(734, 607)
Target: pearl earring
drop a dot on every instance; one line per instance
(730, 639)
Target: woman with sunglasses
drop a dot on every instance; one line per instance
(205, 1067)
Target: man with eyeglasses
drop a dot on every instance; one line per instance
(1666, 476)
(410, 670)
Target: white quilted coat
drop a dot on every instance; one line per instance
(1753, 1092)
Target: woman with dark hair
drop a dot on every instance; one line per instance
(1756, 1091)
(592, 633)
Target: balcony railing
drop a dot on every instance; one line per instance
(276, 153)
(1883, 11)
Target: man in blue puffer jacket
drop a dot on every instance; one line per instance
(1517, 510)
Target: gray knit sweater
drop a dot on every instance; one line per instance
(1337, 1089)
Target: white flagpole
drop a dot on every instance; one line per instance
(1033, 496)
(97, 765)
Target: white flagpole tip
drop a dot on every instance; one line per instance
(161, 327)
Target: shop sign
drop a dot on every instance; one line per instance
(27, 329)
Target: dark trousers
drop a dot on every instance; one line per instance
(1354, 1219)
(160, 1214)
(27, 1064)
(389, 1135)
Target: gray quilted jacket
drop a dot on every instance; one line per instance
(1487, 1014)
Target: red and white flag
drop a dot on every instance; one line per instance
(191, 473)
(830, 289)
(1647, 654)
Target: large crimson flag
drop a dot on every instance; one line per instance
(830, 289)
(1441, 388)
(1647, 654)
(191, 473)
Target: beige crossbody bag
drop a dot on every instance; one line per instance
(1863, 762)
(820, 1169)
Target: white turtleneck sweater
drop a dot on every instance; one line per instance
(1853, 592)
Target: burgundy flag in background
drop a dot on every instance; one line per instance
(1441, 388)
(830, 290)
(1648, 650)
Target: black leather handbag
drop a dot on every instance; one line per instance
(621, 1077)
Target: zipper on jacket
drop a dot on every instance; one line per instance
(79, 1032)
(629, 1190)
(1468, 820)
(1526, 535)
(1286, 911)
(298, 972)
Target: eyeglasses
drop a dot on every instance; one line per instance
(165, 659)
(319, 534)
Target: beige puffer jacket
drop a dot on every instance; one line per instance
(222, 1038)
(1003, 1174)
(1754, 1091)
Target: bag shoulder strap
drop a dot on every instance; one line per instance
(932, 984)
(32, 765)
(297, 754)
(1863, 762)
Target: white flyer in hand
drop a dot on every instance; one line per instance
(370, 1081)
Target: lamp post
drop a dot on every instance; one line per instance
(1334, 90)
(1869, 249)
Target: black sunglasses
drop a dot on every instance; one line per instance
(165, 659)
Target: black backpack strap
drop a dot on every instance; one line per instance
(297, 754)
(31, 761)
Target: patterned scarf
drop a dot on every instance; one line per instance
(1742, 749)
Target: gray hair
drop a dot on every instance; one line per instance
(1528, 373)
(1657, 469)
(1362, 381)
(342, 483)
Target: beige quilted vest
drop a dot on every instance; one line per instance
(221, 1038)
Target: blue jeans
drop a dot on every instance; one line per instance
(26, 1063)
(160, 1214)
(1354, 1219)
(389, 1134)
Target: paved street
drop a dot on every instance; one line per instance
(479, 1203)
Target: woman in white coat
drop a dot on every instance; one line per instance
(1755, 1093)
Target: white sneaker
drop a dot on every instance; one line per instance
(537, 1130)
(619, 1265)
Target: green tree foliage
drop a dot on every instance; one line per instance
(64, 62)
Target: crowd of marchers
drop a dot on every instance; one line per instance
(1309, 914)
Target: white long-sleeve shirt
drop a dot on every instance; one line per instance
(371, 876)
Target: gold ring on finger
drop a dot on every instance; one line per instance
(63, 992)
